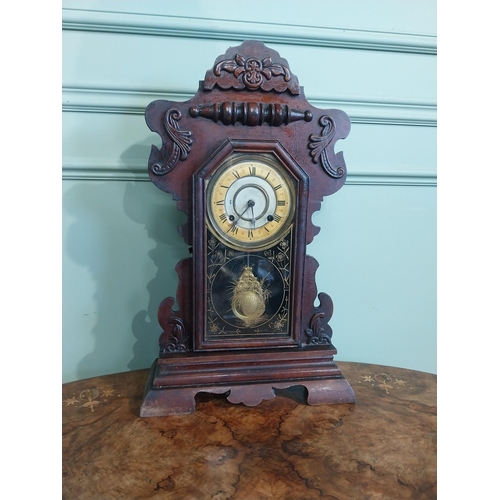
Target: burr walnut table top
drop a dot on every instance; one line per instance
(382, 447)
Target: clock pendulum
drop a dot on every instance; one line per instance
(246, 321)
(248, 298)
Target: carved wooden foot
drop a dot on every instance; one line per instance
(164, 400)
(180, 401)
(333, 391)
(171, 400)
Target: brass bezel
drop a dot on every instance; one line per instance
(277, 232)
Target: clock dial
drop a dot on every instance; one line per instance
(250, 202)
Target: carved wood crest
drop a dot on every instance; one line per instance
(251, 66)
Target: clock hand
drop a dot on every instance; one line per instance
(251, 203)
(253, 217)
(240, 216)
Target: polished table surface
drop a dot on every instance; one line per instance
(382, 447)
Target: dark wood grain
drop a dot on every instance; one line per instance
(250, 103)
(384, 447)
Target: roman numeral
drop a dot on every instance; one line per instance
(277, 217)
(223, 218)
(279, 186)
(236, 174)
(233, 229)
(252, 170)
(250, 233)
(220, 202)
(281, 203)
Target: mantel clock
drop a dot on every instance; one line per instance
(248, 160)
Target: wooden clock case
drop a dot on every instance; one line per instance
(248, 103)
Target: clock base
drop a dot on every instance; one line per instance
(246, 377)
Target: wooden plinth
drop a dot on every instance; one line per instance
(244, 377)
(382, 447)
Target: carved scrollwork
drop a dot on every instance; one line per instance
(250, 113)
(316, 333)
(177, 339)
(253, 71)
(174, 337)
(254, 67)
(318, 145)
(181, 146)
(319, 333)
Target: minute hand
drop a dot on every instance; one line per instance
(251, 203)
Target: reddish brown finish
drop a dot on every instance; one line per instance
(237, 146)
(249, 102)
(384, 447)
(174, 381)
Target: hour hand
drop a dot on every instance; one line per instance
(250, 204)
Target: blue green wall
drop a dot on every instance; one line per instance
(377, 245)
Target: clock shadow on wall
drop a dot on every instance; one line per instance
(159, 217)
(123, 232)
(90, 244)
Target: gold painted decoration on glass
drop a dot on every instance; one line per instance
(250, 202)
